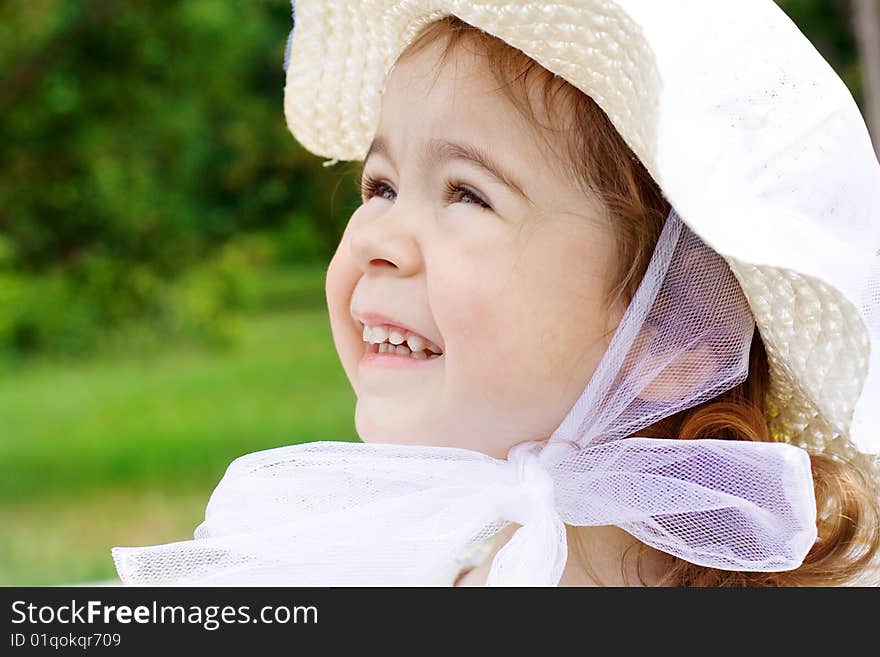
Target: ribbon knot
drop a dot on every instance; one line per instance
(534, 497)
(536, 553)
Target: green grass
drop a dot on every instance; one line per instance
(50, 542)
(125, 451)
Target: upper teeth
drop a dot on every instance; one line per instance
(379, 334)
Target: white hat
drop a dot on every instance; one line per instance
(751, 135)
(775, 191)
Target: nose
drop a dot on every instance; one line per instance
(385, 238)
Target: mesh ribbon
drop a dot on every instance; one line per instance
(336, 513)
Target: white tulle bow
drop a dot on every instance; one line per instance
(336, 513)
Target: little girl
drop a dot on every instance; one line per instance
(512, 248)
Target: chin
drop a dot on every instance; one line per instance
(375, 427)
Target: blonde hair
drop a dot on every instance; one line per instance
(600, 161)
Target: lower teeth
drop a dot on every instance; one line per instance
(387, 348)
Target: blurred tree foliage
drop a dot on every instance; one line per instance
(827, 24)
(147, 131)
(142, 141)
(138, 139)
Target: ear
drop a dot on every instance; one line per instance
(659, 374)
(680, 375)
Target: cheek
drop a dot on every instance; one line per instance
(469, 307)
(526, 328)
(484, 308)
(342, 276)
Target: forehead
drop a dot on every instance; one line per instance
(460, 99)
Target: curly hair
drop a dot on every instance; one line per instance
(601, 163)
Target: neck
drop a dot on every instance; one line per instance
(610, 555)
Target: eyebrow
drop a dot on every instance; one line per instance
(443, 150)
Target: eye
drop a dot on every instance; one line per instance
(371, 187)
(453, 188)
(454, 192)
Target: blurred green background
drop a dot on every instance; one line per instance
(163, 246)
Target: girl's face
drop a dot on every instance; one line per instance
(505, 272)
